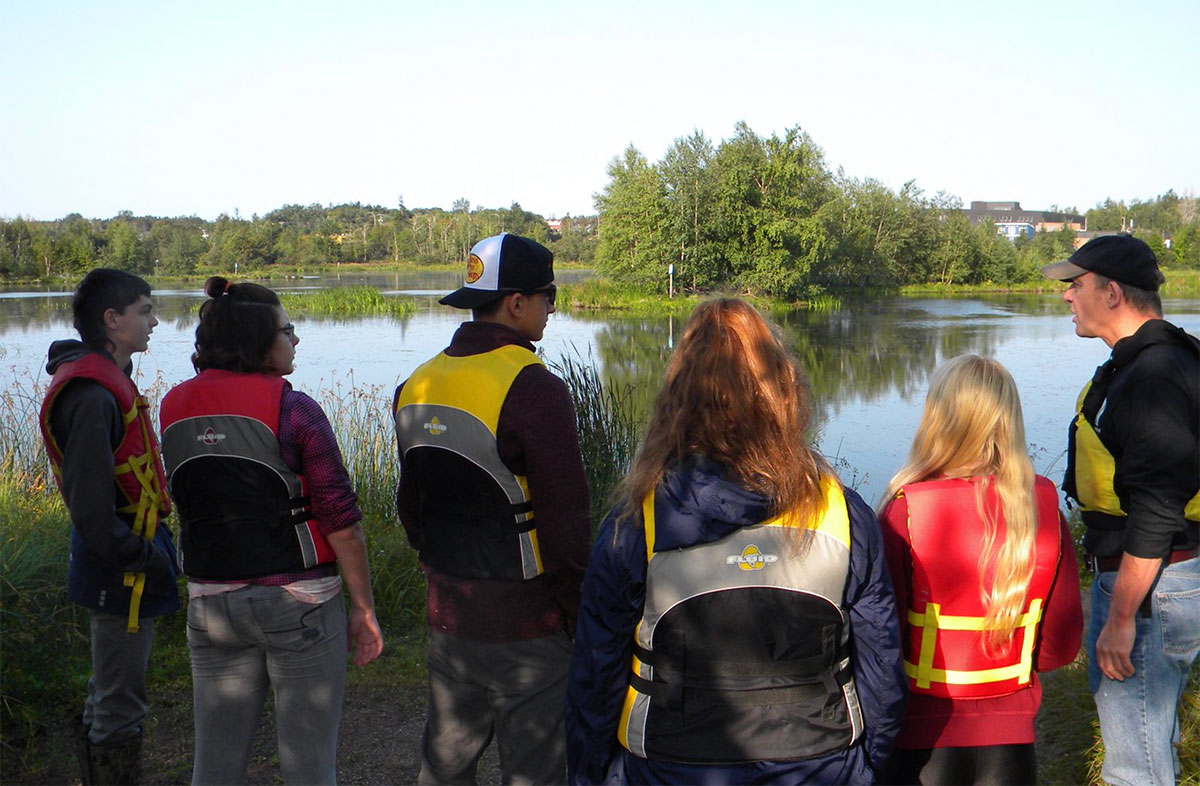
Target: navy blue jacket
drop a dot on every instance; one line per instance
(613, 599)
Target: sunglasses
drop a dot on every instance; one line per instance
(550, 291)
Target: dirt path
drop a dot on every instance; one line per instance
(380, 733)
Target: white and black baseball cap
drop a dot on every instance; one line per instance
(500, 265)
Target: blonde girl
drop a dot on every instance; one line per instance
(987, 585)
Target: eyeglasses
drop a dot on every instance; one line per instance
(288, 330)
(550, 291)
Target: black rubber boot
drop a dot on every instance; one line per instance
(117, 763)
(79, 735)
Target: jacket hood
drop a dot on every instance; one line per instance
(64, 352)
(697, 503)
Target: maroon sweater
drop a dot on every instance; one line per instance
(538, 439)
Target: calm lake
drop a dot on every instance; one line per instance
(869, 362)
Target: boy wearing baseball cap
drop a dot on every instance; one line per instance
(494, 498)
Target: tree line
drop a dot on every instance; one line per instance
(766, 214)
(761, 214)
(294, 235)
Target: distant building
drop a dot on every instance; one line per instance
(1012, 221)
(555, 224)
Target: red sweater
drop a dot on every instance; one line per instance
(935, 722)
(537, 438)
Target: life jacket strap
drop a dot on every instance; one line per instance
(734, 669)
(931, 621)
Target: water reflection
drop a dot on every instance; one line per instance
(868, 361)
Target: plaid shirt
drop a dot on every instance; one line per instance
(308, 446)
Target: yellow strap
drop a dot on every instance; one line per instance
(648, 524)
(950, 622)
(951, 677)
(928, 640)
(931, 621)
(138, 582)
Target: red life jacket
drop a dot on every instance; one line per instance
(943, 642)
(137, 464)
(243, 512)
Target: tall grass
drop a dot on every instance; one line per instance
(608, 431)
(341, 301)
(362, 420)
(43, 637)
(602, 295)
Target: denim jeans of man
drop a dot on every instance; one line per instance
(1139, 718)
(246, 641)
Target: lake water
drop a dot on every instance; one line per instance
(869, 362)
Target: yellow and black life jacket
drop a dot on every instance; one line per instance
(1090, 477)
(476, 514)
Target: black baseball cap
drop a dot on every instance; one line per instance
(500, 265)
(1122, 258)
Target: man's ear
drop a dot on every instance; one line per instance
(514, 304)
(110, 318)
(1114, 294)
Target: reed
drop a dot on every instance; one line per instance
(602, 295)
(608, 430)
(341, 301)
(43, 637)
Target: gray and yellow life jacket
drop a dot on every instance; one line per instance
(742, 653)
(476, 514)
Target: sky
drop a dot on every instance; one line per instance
(173, 109)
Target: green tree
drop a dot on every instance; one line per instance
(632, 245)
(690, 183)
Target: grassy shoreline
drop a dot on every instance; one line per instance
(44, 646)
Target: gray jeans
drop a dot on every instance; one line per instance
(116, 700)
(513, 690)
(246, 641)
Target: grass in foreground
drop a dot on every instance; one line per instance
(43, 637)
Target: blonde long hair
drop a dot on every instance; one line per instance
(973, 424)
(734, 394)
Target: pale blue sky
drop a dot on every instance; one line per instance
(172, 109)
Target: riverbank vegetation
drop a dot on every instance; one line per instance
(345, 301)
(45, 641)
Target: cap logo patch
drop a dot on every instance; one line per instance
(751, 558)
(474, 269)
(434, 427)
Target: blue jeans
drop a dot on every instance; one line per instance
(246, 641)
(1139, 718)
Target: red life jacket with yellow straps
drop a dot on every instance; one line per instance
(137, 463)
(943, 639)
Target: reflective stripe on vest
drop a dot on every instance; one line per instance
(943, 639)
(762, 715)
(1096, 469)
(137, 465)
(453, 404)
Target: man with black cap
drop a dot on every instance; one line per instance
(494, 498)
(1133, 465)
